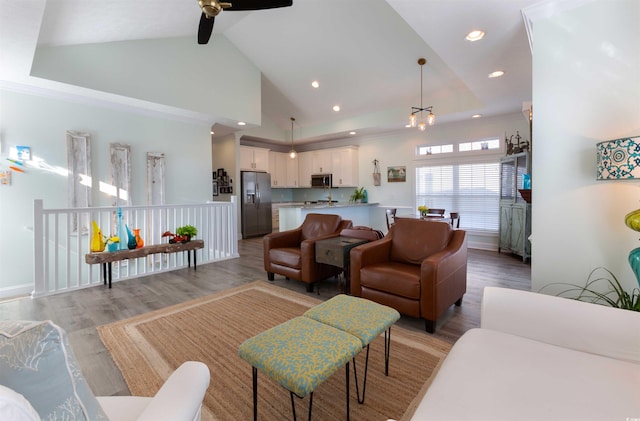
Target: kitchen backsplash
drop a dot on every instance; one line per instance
(302, 195)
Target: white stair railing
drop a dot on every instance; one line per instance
(62, 238)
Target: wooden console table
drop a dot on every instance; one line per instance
(106, 258)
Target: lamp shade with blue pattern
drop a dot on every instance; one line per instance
(619, 159)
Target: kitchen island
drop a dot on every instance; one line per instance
(291, 216)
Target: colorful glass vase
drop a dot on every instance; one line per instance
(121, 233)
(139, 240)
(131, 243)
(632, 220)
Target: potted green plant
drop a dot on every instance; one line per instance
(358, 195)
(186, 232)
(615, 296)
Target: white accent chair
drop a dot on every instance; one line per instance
(40, 379)
(179, 398)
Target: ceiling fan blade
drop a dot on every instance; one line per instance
(241, 5)
(205, 28)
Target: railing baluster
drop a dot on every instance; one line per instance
(61, 241)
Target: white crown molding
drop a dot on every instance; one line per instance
(545, 10)
(105, 100)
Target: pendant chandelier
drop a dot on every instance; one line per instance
(292, 153)
(413, 118)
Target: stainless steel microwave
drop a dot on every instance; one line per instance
(322, 181)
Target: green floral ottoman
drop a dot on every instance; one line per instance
(362, 318)
(299, 354)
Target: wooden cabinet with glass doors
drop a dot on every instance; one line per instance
(515, 213)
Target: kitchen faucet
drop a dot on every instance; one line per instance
(324, 187)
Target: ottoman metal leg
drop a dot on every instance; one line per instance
(347, 387)
(387, 350)
(355, 376)
(255, 394)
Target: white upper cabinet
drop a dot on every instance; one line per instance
(254, 159)
(341, 162)
(321, 162)
(292, 171)
(344, 167)
(278, 169)
(305, 168)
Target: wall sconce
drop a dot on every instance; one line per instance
(619, 159)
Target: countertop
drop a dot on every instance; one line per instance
(326, 205)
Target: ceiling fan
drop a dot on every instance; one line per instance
(211, 9)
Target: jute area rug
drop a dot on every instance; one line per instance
(147, 348)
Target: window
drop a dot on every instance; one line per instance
(472, 189)
(479, 145)
(431, 150)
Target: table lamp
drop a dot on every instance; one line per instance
(619, 159)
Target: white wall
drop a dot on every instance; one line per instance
(41, 123)
(586, 89)
(165, 71)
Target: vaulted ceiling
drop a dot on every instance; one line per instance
(363, 53)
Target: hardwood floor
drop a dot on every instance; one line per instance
(81, 311)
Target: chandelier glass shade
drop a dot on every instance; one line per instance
(292, 153)
(418, 111)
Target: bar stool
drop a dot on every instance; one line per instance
(455, 219)
(391, 217)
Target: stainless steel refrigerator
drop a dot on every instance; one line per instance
(256, 203)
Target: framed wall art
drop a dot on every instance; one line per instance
(396, 174)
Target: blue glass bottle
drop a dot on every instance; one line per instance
(121, 233)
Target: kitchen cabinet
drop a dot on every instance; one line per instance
(278, 166)
(305, 168)
(321, 162)
(341, 162)
(515, 213)
(344, 167)
(292, 171)
(254, 159)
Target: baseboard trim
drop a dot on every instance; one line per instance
(18, 291)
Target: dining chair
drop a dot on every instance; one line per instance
(455, 219)
(391, 216)
(436, 211)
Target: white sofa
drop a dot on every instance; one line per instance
(539, 357)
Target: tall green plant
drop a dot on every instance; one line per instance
(616, 296)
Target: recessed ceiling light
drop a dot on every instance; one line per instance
(476, 116)
(352, 133)
(476, 35)
(241, 123)
(212, 132)
(497, 73)
(336, 108)
(315, 84)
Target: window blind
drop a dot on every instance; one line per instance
(472, 189)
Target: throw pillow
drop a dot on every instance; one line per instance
(37, 362)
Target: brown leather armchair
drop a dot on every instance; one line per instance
(419, 268)
(293, 253)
